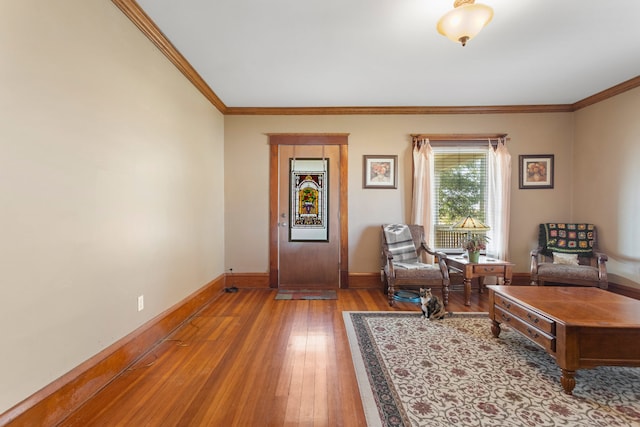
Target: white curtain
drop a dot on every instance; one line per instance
(423, 191)
(499, 183)
(498, 211)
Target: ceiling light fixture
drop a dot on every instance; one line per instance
(465, 21)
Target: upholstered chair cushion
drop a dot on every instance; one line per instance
(427, 271)
(563, 271)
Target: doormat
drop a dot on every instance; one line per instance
(302, 294)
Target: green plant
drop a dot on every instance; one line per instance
(476, 242)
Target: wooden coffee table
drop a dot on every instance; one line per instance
(486, 266)
(580, 327)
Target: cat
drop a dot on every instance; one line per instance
(432, 307)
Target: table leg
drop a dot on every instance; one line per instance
(467, 291)
(508, 273)
(495, 328)
(568, 380)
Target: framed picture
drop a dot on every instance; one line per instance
(380, 172)
(536, 171)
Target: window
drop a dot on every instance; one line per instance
(460, 190)
(472, 176)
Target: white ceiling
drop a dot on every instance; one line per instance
(386, 53)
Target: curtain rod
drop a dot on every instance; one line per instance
(461, 136)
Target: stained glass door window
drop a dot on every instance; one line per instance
(308, 200)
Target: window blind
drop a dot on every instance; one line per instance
(460, 185)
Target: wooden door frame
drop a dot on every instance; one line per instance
(277, 139)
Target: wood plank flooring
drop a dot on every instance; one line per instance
(247, 359)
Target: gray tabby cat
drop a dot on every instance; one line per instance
(432, 307)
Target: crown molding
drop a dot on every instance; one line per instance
(135, 13)
(499, 109)
(608, 93)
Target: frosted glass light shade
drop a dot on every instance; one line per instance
(465, 21)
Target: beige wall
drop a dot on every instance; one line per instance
(596, 175)
(606, 177)
(247, 171)
(111, 166)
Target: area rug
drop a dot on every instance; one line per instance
(302, 294)
(417, 372)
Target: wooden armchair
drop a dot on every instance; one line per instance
(568, 254)
(402, 248)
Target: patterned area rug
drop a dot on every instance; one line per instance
(417, 372)
(285, 294)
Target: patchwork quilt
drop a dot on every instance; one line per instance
(567, 238)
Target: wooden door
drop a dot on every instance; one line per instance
(307, 258)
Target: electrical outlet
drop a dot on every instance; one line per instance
(141, 303)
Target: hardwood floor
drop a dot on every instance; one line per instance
(247, 359)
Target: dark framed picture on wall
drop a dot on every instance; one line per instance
(536, 171)
(380, 171)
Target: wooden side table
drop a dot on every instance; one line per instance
(486, 266)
